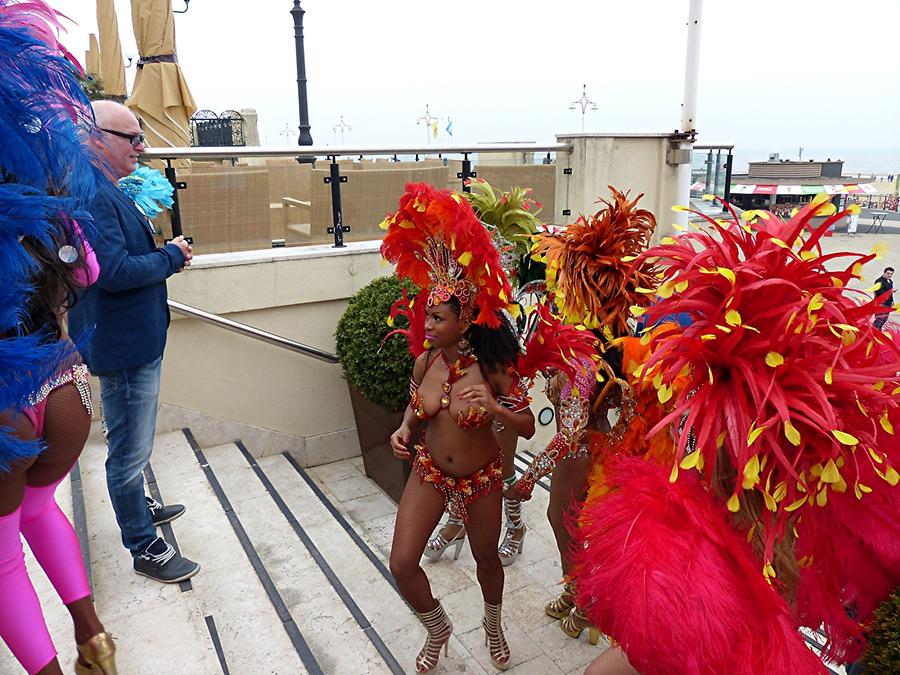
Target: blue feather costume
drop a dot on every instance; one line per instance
(46, 178)
(149, 189)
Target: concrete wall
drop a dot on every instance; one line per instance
(627, 162)
(227, 386)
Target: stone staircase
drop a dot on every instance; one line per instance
(294, 575)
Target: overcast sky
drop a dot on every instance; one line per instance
(774, 75)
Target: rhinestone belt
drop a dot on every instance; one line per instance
(77, 374)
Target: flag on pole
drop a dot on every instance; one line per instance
(449, 128)
(434, 129)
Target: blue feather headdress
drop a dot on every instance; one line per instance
(46, 179)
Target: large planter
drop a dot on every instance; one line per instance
(377, 374)
(374, 425)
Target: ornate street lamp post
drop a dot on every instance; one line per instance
(428, 120)
(305, 137)
(342, 127)
(584, 102)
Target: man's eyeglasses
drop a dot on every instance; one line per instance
(134, 139)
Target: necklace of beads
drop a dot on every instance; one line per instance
(455, 371)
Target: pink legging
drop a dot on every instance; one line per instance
(55, 546)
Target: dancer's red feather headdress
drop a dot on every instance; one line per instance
(589, 264)
(436, 241)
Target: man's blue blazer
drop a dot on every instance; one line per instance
(125, 312)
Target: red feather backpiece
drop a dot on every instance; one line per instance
(550, 344)
(437, 241)
(665, 574)
(850, 557)
(788, 377)
(790, 395)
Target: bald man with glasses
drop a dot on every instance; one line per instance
(127, 312)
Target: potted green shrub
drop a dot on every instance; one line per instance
(882, 654)
(377, 374)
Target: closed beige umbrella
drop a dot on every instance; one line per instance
(112, 67)
(160, 96)
(92, 57)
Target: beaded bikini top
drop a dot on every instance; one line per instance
(470, 418)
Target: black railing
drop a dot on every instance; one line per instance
(335, 179)
(719, 160)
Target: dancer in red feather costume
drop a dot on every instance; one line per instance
(778, 507)
(588, 267)
(463, 387)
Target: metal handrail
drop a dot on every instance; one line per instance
(325, 151)
(255, 333)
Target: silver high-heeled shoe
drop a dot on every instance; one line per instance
(439, 543)
(513, 542)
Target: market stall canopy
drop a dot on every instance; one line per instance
(92, 57)
(112, 67)
(160, 96)
(758, 189)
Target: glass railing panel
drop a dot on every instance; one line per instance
(709, 171)
(258, 202)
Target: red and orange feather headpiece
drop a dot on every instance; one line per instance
(590, 264)
(437, 241)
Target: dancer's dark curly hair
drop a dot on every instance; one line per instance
(55, 288)
(496, 348)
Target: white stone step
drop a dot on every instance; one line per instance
(323, 619)
(387, 613)
(529, 584)
(252, 635)
(157, 626)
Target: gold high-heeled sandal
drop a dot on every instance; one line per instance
(494, 639)
(439, 543)
(574, 623)
(560, 607)
(100, 653)
(439, 629)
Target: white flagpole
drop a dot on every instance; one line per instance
(689, 106)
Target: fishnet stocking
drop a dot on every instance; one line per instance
(66, 428)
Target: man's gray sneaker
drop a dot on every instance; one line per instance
(161, 562)
(163, 513)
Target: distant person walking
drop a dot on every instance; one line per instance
(129, 316)
(884, 284)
